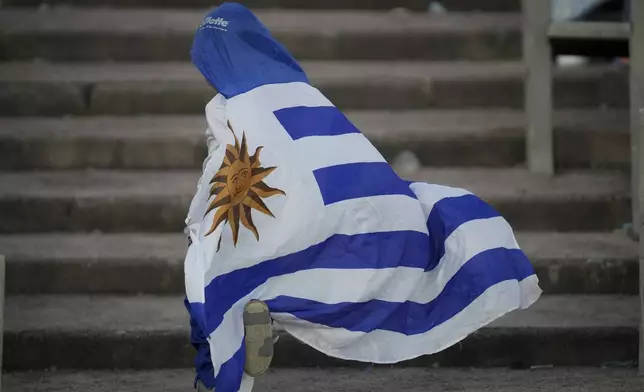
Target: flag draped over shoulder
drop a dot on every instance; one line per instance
(298, 209)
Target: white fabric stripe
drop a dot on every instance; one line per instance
(315, 152)
(430, 194)
(360, 285)
(390, 347)
(193, 274)
(274, 97)
(368, 215)
(377, 214)
(333, 286)
(247, 383)
(226, 340)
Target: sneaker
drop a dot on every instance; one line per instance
(202, 388)
(258, 337)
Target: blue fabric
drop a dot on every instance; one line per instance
(410, 318)
(301, 121)
(357, 180)
(203, 362)
(231, 372)
(236, 53)
(447, 215)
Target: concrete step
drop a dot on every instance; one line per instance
(166, 35)
(28, 89)
(133, 263)
(346, 380)
(456, 138)
(146, 332)
(156, 201)
(416, 5)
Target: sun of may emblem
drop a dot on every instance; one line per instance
(238, 188)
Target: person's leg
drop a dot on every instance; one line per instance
(258, 338)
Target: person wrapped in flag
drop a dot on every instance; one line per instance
(298, 219)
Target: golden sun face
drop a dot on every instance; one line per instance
(238, 188)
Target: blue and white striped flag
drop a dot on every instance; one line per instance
(298, 209)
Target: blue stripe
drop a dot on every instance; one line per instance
(360, 251)
(303, 121)
(231, 372)
(356, 180)
(447, 215)
(203, 362)
(475, 277)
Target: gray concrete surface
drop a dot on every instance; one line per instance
(416, 5)
(111, 314)
(567, 263)
(518, 183)
(455, 138)
(133, 263)
(113, 201)
(346, 380)
(177, 88)
(377, 124)
(160, 35)
(147, 332)
(329, 22)
(55, 247)
(319, 71)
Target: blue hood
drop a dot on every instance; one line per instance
(236, 53)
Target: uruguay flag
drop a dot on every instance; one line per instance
(296, 208)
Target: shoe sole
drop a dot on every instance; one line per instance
(202, 388)
(258, 338)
